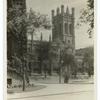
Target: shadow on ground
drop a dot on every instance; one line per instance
(28, 89)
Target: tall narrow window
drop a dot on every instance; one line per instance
(60, 28)
(70, 29)
(66, 28)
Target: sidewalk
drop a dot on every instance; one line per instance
(48, 80)
(51, 86)
(53, 89)
(27, 89)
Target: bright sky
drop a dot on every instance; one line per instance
(45, 7)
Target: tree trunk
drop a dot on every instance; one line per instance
(40, 68)
(67, 74)
(45, 71)
(66, 79)
(51, 69)
(24, 81)
(60, 75)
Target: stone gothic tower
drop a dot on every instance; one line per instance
(63, 25)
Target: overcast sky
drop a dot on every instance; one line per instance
(45, 7)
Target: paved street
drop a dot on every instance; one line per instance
(57, 92)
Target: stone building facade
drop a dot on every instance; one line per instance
(35, 52)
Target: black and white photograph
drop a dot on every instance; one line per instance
(50, 50)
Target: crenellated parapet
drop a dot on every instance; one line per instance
(61, 11)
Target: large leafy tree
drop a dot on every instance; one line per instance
(88, 60)
(87, 16)
(64, 59)
(70, 66)
(19, 23)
